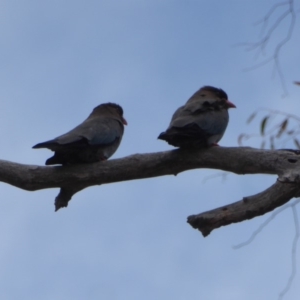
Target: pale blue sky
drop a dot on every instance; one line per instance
(130, 240)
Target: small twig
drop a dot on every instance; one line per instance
(265, 223)
(220, 174)
(294, 252)
(263, 42)
(65, 195)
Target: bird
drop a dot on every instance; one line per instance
(95, 139)
(201, 122)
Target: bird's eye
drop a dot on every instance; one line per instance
(202, 95)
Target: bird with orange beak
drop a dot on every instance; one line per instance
(201, 122)
(95, 139)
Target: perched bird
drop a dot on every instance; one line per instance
(96, 139)
(201, 122)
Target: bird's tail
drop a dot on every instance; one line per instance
(54, 160)
(40, 145)
(163, 136)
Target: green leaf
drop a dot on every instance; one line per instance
(263, 125)
(251, 117)
(283, 127)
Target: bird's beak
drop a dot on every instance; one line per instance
(124, 121)
(230, 104)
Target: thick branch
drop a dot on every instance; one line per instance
(244, 160)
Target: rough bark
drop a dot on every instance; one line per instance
(244, 160)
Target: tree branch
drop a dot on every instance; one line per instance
(268, 32)
(245, 209)
(243, 160)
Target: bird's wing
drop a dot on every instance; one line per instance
(96, 132)
(211, 121)
(92, 131)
